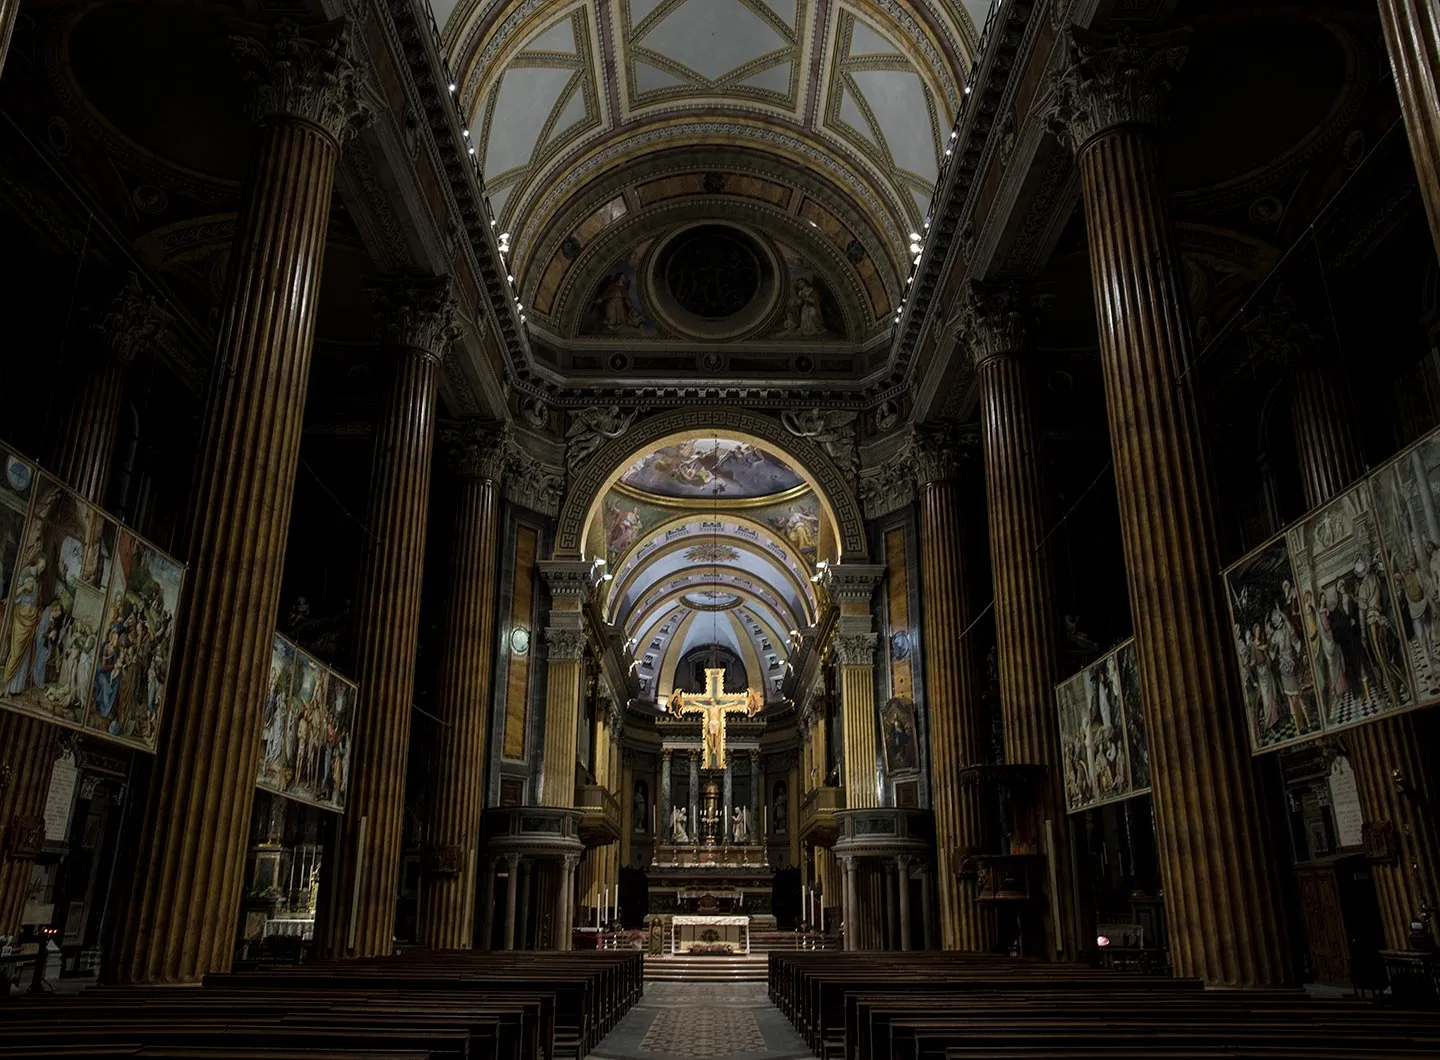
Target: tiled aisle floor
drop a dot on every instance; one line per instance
(703, 1021)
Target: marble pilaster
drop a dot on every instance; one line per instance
(179, 919)
(570, 583)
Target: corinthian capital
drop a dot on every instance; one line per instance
(317, 76)
(995, 318)
(477, 449)
(1105, 81)
(937, 451)
(855, 649)
(133, 322)
(417, 312)
(565, 643)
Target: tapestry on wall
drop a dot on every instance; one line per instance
(87, 615)
(306, 731)
(1333, 621)
(1102, 734)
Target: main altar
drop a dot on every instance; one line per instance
(710, 874)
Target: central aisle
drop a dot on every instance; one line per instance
(734, 1021)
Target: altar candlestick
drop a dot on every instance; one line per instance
(822, 916)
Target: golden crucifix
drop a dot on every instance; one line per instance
(713, 705)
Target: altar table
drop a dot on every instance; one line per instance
(687, 930)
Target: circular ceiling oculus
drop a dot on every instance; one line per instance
(713, 281)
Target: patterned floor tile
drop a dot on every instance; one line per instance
(703, 1021)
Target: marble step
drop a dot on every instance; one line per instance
(681, 969)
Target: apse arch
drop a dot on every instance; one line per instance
(584, 499)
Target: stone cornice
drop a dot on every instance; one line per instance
(568, 579)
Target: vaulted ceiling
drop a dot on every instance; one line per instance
(814, 129)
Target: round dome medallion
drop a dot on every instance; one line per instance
(713, 281)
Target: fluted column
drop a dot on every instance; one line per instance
(565, 902)
(417, 318)
(1394, 758)
(477, 456)
(952, 680)
(9, 12)
(1412, 33)
(512, 893)
(570, 582)
(995, 322)
(662, 833)
(1216, 862)
(852, 587)
(189, 866)
(487, 909)
(902, 870)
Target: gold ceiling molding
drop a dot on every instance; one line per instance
(735, 504)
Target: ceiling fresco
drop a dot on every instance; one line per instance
(606, 128)
(718, 469)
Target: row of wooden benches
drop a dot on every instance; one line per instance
(946, 1006)
(444, 1006)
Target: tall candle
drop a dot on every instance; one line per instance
(822, 917)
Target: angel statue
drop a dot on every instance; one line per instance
(678, 834)
(592, 426)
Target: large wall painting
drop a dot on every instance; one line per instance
(1358, 579)
(711, 469)
(797, 521)
(1102, 734)
(306, 729)
(87, 615)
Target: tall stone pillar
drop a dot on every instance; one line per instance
(512, 893)
(1412, 33)
(487, 907)
(728, 799)
(995, 321)
(565, 902)
(570, 582)
(902, 869)
(418, 321)
(757, 802)
(852, 587)
(1223, 904)
(663, 830)
(850, 912)
(528, 877)
(1394, 758)
(80, 456)
(477, 455)
(189, 867)
(952, 678)
(692, 826)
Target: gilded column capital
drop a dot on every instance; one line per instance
(938, 451)
(855, 649)
(478, 449)
(417, 313)
(316, 76)
(1105, 80)
(565, 643)
(995, 318)
(133, 322)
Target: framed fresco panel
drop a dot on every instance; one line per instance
(305, 737)
(1349, 612)
(132, 667)
(1271, 640)
(1405, 495)
(897, 726)
(1102, 733)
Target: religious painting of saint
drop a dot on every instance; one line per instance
(56, 604)
(277, 750)
(1105, 730)
(897, 726)
(1405, 494)
(1136, 734)
(1272, 643)
(17, 477)
(334, 782)
(1348, 604)
(615, 308)
(1070, 699)
(135, 642)
(797, 522)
